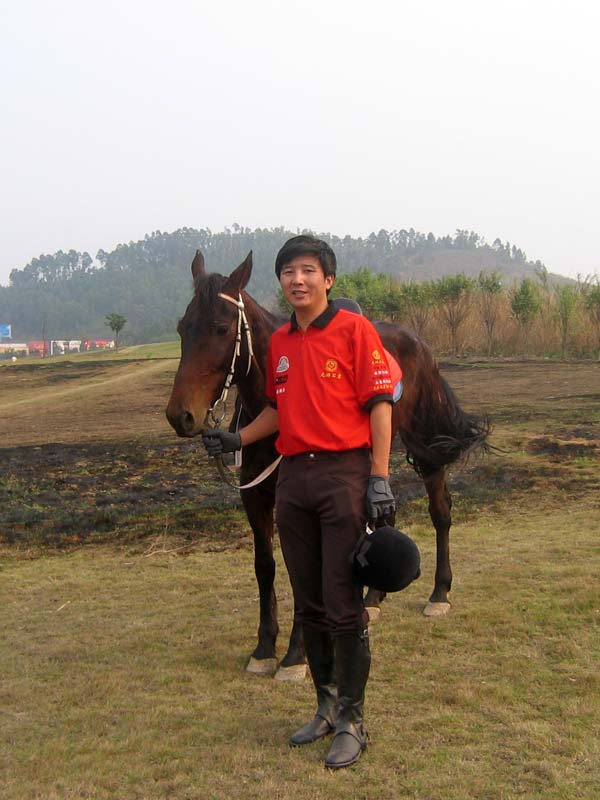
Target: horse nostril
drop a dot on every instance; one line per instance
(187, 421)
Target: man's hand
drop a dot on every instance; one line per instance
(218, 442)
(380, 500)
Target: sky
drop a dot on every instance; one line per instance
(122, 118)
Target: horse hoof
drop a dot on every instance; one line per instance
(436, 609)
(294, 674)
(261, 666)
(374, 614)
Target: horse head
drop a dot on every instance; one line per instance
(208, 332)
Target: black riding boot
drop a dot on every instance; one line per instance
(353, 660)
(320, 657)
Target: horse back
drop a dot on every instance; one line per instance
(420, 373)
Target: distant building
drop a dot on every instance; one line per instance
(98, 344)
(58, 347)
(14, 348)
(39, 348)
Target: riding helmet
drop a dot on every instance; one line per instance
(385, 559)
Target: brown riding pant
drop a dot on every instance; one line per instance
(321, 513)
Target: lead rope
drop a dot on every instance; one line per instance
(226, 473)
(242, 328)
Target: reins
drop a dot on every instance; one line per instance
(242, 328)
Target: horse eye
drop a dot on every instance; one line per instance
(222, 330)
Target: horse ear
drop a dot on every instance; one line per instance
(239, 278)
(198, 265)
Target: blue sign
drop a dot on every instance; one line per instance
(5, 331)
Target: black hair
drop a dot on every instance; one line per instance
(306, 245)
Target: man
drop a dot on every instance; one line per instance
(330, 395)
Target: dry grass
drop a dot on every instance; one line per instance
(122, 663)
(123, 677)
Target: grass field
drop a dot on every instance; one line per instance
(130, 606)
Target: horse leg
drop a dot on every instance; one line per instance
(440, 504)
(293, 664)
(263, 660)
(373, 600)
(259, 511)
(374, 597)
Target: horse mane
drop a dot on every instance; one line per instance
(274, 320)
(207, 288)
(206, 294)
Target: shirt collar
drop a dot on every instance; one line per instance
(322, 321)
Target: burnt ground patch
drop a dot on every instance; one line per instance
(62, 493)
(129, 491)
(557, 449)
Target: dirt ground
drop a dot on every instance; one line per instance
(87, 451)
(75, 402)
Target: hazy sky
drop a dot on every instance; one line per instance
(120, 118)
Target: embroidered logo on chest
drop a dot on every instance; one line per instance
(331, 370)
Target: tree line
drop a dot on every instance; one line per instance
(69, 294)
(484, 315)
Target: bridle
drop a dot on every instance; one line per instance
(242, 328)
(214, 418)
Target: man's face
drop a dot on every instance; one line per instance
(304, 284)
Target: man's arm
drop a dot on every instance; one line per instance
(380, 500)
(381, 437)
(264, 425)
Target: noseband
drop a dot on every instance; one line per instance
(242, 328)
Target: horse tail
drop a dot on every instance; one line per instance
(440, 431)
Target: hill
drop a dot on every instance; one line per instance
(69, 294)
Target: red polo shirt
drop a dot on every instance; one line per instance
(325, 381)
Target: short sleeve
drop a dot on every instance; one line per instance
(371, 370)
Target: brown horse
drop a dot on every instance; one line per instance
(434, 429)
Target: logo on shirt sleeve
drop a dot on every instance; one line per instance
(376, 355)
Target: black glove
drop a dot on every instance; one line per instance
(218, 442)
(380, 500)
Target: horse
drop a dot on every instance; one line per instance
(224, 337)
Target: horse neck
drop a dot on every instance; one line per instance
(251, 387)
